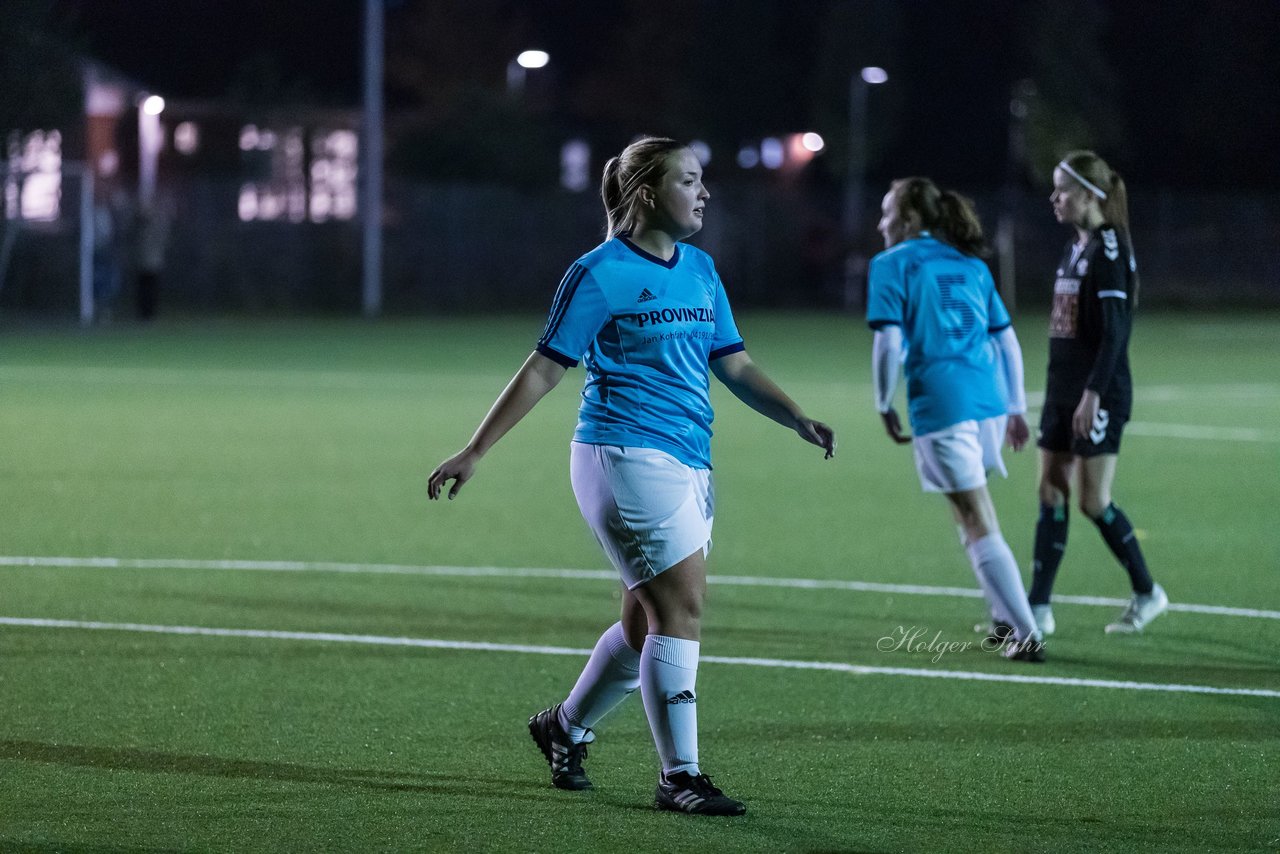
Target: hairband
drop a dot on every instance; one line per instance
(1088, 185)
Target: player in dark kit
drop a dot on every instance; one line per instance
(1089, 393)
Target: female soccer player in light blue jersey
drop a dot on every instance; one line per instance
(931, 296)
(648, 317)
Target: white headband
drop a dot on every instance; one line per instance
(1088, 185)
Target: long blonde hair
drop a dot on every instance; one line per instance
(1091, 167)
(1115, 206)
(642, 162)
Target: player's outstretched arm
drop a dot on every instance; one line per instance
(749, 384)
(537, 376)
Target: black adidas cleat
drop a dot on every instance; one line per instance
(683, 792)
(564, 757)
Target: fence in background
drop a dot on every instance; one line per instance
(471, 248)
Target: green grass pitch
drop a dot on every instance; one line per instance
(353, 704)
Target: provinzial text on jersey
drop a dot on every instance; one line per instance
(675, 315)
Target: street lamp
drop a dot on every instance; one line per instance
(517, 68)
(860, 84)
(150, 141)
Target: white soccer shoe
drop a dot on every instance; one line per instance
(1140, 611)
(1044, 619)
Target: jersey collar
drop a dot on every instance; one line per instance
(675, 256)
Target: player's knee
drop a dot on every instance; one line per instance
(1053, 494)
(689, 606)
(680, 623)
(677, 612)
(1093, 505)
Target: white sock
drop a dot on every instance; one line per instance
(668, 671)
(612, 674)
(998, 574)
(994, 605)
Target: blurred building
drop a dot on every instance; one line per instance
(263, 206)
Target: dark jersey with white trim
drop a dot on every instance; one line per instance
(1092, 317)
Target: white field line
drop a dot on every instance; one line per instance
(583, 574)
(1191, 392)
(259, 377)
(223, 377)
(481, 646)
(1192, 431)
(382, 381)
(1243, 393)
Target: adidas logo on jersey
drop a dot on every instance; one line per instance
(645, 296)
(682, 697)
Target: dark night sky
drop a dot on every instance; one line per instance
(1195, 86)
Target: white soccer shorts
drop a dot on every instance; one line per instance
(958, 458)
(648, 510)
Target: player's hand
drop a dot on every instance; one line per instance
(457, 468)
(893, 427)
(1017, 432)
(1086, 413)
(817, 433)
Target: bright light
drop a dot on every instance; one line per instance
(153, 105)
(813, 142)
(772, 152)
(533, 59)
(248, 204)
(33, 190)
(575, 163)
(186, 137)
(109, 163)
(701, 150)
(874, 74)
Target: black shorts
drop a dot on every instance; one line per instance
(1055, 432)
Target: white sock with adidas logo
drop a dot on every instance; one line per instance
(668, 671)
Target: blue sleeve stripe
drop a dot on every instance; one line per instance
(1001, 328)
(736, 347)
(881, 324)
(557, 356)
(568, 285)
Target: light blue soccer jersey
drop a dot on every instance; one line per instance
(646, 331)
(947, 305)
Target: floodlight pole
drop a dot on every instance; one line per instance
(854, 191)
(1024, 92)
(87, 306)
(857, 155)
(371, 148)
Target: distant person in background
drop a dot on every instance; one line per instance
(649, 317)
(110, 211)
(151, 240)
(932, 297)
(1089, 391)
